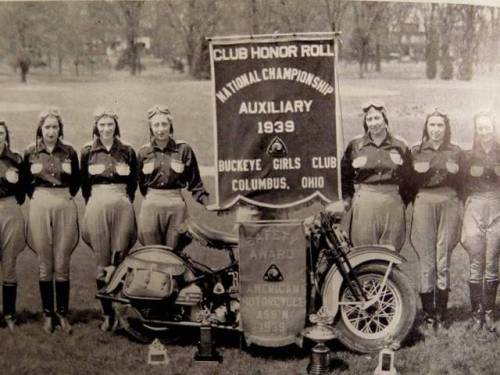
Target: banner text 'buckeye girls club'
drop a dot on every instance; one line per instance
(275, 113)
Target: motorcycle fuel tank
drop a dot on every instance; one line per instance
(273, 282)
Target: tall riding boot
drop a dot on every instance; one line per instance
(442, 308)
(476, 296)
(47, 294)
(108, 323)
(489, 298)
(429, 312)
(9, 291)
(62, 302)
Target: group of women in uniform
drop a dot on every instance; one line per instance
(381, 175)
(455, 196)
(108, 174)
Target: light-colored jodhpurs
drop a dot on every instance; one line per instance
(378, 216)
(53, 231)
(162, 214)
(481, 235)
(109, 226)
(435, 231)
(12, 237)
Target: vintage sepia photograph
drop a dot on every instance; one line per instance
(249, 187)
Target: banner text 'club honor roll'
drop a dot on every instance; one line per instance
(276, 136)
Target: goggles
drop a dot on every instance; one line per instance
(435, 111)
(158, 109)
(101, 112)
(50, 112)
(377, 104)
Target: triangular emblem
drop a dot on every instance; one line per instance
(273, 274)
(277, 148)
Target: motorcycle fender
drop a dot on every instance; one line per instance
(159, 254)
(358, 255)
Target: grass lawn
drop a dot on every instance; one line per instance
(89, 351)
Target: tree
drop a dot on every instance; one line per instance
(194, 20)
(366, 19)
(431, 42)
(335, 11)
(21, 27)
(131, 11)
(446, 29)
(468, 14)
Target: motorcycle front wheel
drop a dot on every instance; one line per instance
(390, 316)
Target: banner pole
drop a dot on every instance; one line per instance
(216, 145)
(338, 116)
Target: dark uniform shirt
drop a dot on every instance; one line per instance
(436, 168)
(116, 166)
(366, 163)
(481, 172)
(174, 167)
(12, 179)
(56, 169)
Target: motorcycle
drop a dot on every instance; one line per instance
(371, 299)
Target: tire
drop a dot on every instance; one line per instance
(367, 330)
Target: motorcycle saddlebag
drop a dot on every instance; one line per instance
(150, 280)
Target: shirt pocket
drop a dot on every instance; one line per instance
(497, 170)
(36, 168)
(359, 162)
(421, 166)
(452, 166)
(12, 175)
(148, 167)
(177, 166)
(95, 169)
(396, 157)
(123, 169)
(66, 166)
(476, 170)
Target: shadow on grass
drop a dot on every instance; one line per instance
(459, 313)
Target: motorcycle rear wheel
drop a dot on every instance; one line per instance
(392, 315)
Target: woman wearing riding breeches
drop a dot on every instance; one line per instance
(53, 176)
(481, 223)
(165, 166)
(12, 237)
(375, 170)
(109, 182)
(435, 227)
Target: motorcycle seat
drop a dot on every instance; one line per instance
(212, 237)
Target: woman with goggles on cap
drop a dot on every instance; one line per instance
(53, 176)
(165, 166)
(481, 222)
(12, 238)
(436, 220)
(109, 182)
(375, 170)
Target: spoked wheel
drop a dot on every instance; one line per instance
(391, 312)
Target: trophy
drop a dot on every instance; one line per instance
(206, 347)
(320, 332)
(386, 358)
(157, 354)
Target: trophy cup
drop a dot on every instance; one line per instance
(320, 332)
